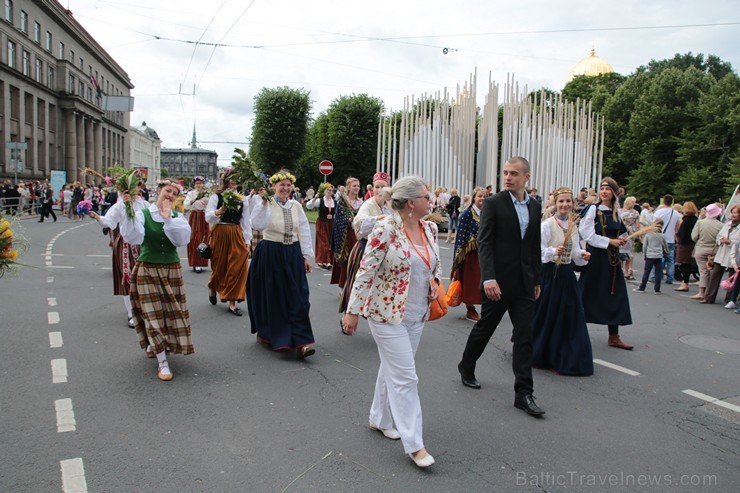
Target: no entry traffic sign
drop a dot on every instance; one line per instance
(326, 167)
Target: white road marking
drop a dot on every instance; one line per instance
(65, 415)
(73, 476)
(59, 370)
(55, 340)
(53, 318)
(92, 255)
(616, 367)
(713, 400)
(52, 301)
(60, 267)
(48, 263)
(444, 248)
(107, 268)
(52, 254)
(48, 258)
(49, 279)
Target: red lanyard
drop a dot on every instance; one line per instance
(427, 259)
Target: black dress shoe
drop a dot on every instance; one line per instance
(467, 379)
(526, 403)
(212, 298)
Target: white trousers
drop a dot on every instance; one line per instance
(396, 400)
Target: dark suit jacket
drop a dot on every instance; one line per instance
(515, 263)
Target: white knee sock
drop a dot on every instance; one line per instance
(127, 302)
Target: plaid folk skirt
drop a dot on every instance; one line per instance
(161, 316)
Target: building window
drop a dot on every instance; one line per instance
(71, 88)
(71, 56)
(11, 54)
(82, 64)
(9, 11)
(50, 82)
(61, 50)
(39, 70)
(89, 93)
(24, 22)
(15, 103)
(81, 89)
(37, 32)
(26, 63)
(48, 41)
(41, 113)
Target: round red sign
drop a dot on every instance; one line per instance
(326, 167)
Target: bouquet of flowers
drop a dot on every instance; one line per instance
(246, 172)
(232, 200)
(10, 248)
(84, 208)
(127, 180)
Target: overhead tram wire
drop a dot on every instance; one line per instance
(192, 55)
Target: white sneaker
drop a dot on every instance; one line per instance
(731, 305)
(391, 433)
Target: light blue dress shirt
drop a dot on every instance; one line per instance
(522, 211)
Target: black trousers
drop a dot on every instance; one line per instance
(521, 312)
(46, 209)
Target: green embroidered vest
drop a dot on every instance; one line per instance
(157, 248)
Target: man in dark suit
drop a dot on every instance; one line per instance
(510, 264)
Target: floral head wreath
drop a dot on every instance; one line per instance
(323, 187)
(561, 191)
(198, 178)
(169, 183)
(280, 176)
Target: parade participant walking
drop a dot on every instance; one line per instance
(729, 234)
(561, 341)
(277, 286)
(509, 250)
(370, 211)
(157, 288)
(465, 262)
(705, 235)
(603, 287)
(195, 205)
(124, 254)
(396, 281)
(343, 236)
(327, 207)
(231, 233)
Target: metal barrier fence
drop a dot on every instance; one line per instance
(19, 206)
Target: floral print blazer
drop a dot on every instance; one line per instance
(381, 286)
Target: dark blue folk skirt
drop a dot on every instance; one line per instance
(561, 342)
(604, 291)
(277, 295)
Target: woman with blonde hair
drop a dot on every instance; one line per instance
(326, 205)
(465, 266)
(631, 219)
(685, 245)
(397, 280)
(195, 205)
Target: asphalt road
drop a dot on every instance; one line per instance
(240, 418)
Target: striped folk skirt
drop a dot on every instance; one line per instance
(339, 268)
(198, 235)
(161, 316)
(323, 240)
(229, 263)
(353, 265)
(124, 260)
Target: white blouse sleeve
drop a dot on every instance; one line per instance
(211, 217)
(245, 222)
(588, 231)
(313, 204)
(260, 216)
(112, 216)
(189, 199)
(304, 233)
(176, 229)
(133, 230)
(548, 252)
(577, 252)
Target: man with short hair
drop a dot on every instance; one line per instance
(510, 262)
(671, 220)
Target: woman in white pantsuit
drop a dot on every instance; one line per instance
(396, 281)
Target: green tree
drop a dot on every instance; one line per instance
(317, 149)
(597, 89)
(352, 133)
(280, 127)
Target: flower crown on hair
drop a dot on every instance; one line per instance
(169, 183)
(323, 187)
(282, 176)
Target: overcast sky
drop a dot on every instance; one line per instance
(388, 49)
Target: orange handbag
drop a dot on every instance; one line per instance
(454, 293)
(438, 308)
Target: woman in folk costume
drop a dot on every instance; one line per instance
(343, 236)
(370, 211)
(124, 253)
(603, 288)
(561, 341)
(277, 286)
(231, 234)
(195, 205)
(327, 207)
(157, 289)
(465, 266)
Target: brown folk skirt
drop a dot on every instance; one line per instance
(198, 235)
(161, 316)
(323, 238)
(469, 273)
(229, 257)
(124, 260)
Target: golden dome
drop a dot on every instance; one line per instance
(591, 65)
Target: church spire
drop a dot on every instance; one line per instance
(194, 143)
